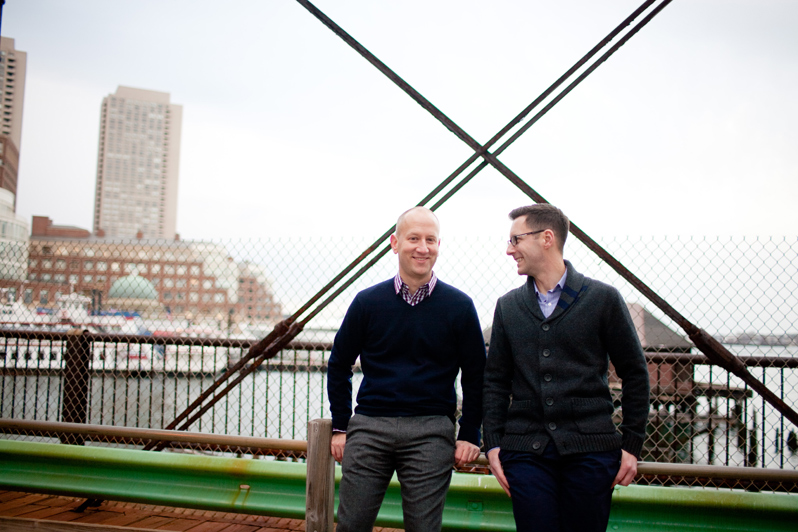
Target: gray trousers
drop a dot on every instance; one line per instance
(420, 450)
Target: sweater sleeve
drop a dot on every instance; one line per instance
(472, 364)
(346, 348)
(626, 354)
(498, 383)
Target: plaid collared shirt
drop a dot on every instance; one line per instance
(421, 294)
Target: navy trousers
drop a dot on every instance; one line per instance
(553, 493)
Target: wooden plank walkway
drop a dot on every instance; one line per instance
(29, 511)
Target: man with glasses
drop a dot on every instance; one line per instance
(413, 334)
(548, 416)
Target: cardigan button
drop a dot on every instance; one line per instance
(546, 352)
(547, 377)
(536, 445)
(545, 326)
(549, 401)
(552, 426)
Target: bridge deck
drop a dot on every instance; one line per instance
(27, 511)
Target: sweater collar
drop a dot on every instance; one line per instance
(574, 284)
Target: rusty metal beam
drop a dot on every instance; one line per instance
(287, 330)
(268, 347)
(709, 346)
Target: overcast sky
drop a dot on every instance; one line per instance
(689, 129)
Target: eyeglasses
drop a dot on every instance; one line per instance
(514, 239)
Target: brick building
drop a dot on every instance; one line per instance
(197, 281)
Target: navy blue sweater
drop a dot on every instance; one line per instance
(410, 357)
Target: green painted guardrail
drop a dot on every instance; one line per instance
(475, 502)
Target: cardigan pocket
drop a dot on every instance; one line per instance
(592, 415)
(519, 417)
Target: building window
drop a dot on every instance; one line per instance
(168, 283)
(43, 297)
(102, 266)
(87, 278)
(155, 268)
(193, 297)
(218, 298)
(181, 270)
(114, 266)
(180, 283)
(47, 264)
(46, 277)
(28, 296)
(195, 271)
(88, 265)
(59, 278)
(167, 296)
(207, 284)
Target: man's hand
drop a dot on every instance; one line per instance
(628, 470)
(497, 470)
(464, 452)
(337, 445)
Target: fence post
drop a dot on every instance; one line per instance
(320, 488)
(75, 383)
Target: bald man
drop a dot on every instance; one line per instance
(413, 334)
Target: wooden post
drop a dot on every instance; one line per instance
(320, 488)
(75, 383)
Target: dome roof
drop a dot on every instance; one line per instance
(132, 287)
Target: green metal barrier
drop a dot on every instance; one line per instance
(169, 479)
(475, 502)
(645, 508)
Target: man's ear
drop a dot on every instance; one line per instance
(394, 244)
(548, 238)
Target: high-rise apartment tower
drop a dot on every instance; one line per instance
(12, 91)
(137, 165)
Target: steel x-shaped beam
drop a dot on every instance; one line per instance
(287, 330)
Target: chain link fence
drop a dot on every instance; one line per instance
(163, 320)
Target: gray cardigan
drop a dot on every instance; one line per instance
(546, 378)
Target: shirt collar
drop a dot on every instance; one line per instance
(423, 292)
(557, 288)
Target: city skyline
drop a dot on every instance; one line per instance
(686, 130)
